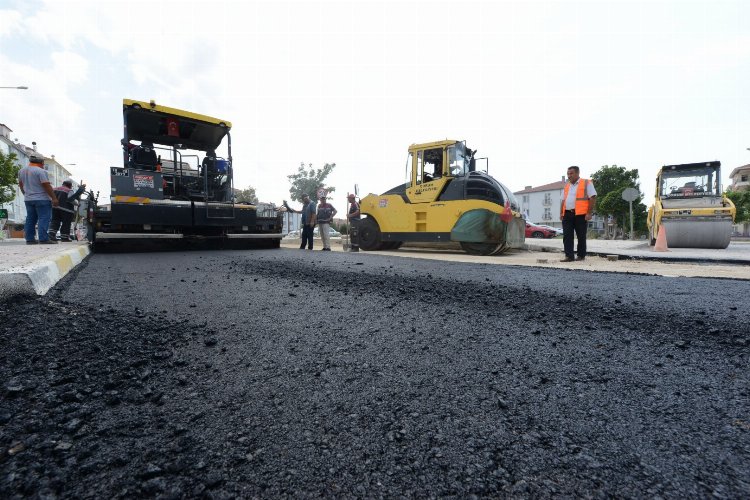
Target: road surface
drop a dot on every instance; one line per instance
(293, 373)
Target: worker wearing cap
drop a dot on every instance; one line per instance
(62, 214)
(354, 217)
(325, 216)
(39, 198)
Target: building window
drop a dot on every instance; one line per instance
(547, 214)
(743, 178)
(526, 198)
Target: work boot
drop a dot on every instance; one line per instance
(48, 242)
(567, 259)
(581, 258)
(34, 242)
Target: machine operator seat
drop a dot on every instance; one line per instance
(144, 156)
(209, 164)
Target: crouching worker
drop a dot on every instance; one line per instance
(62, 214)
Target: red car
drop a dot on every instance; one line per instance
(533, 231)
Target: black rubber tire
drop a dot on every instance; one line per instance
(537, 234)
(369, 235)
(481, 248)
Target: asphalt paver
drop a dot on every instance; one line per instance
(289, 373)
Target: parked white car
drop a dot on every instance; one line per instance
(331, 232)
(316, 233)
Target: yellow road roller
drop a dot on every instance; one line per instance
(445, 200)
(690, 206)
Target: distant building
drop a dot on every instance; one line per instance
(541, 205)
(16, 208)
(740, 177)
(55, 171)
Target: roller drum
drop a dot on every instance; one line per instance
(698, 233)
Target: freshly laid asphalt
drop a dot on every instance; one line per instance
(33, 269)
(289, 373)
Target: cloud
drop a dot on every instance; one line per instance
(10, 22)
(69, 68)
(534, 85)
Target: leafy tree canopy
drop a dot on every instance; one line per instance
(246, 195)
(741, 200)
(610, 181)
(8, 176)
(308, 180)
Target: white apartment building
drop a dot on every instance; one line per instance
(740, 177)
(541, 205)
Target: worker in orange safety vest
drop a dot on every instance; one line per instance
(576, 210)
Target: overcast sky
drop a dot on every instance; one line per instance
(535, 86)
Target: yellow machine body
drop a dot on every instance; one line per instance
(690, 207)
(445, 199)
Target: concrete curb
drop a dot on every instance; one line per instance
(39, 276)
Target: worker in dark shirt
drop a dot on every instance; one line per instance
(354, 217)
(62, 214)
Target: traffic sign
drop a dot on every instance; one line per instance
(630, 194)
(3, 213)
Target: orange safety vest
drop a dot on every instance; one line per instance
(582, 201)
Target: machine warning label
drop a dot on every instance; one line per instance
(119, 172)
(143, 181)
(383, 202)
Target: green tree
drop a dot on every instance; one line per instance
(610, 182)
(246, 195)
(741, 200)
(308, 180)
(8, 176)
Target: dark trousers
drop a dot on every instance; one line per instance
(354, 235)
(307, 236)
(60, 220)
(578, 224)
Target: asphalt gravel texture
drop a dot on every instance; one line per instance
(289, 373)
